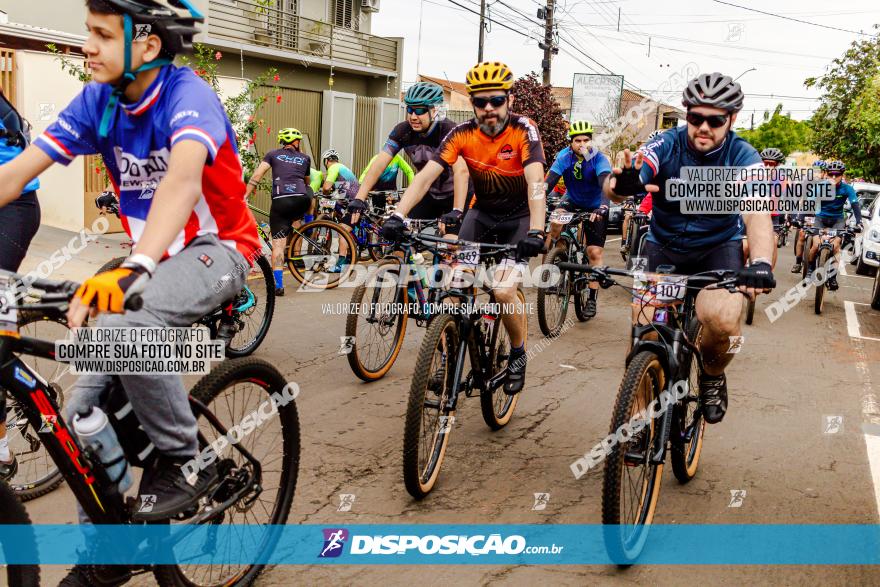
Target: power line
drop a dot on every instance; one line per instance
(824, 26)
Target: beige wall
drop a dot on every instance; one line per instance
(42, 92)
(62, 15)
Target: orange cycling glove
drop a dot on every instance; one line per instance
(107, 291)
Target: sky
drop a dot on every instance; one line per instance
(713, 35)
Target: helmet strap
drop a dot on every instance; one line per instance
(128, 76)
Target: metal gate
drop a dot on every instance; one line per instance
(365, 133)
(7, 74)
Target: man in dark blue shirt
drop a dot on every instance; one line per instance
(693, 243)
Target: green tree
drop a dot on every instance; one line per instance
(781, 131)
(846, 125)
(534, 99)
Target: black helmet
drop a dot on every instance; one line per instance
(174, 21)
(772, 154)
(715, 90)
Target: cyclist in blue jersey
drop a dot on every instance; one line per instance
(171, 155)
(584, 170)
(340, 178)
(798, 220)
(693, 243)
(830, 215)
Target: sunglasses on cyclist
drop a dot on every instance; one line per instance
(417, 110)
(770, 163)
(715, 120)
(495, 101)
(834, 174)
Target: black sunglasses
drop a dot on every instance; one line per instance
(417, 110)
(495, 101)
(834, 174)
(715, 121)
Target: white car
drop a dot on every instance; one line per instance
(867, 245)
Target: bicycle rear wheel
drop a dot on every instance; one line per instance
(376, 322)
(631, 483)
(428, 421)
(497, 406)
(750, 310)
(688, 426)
(252, 310)
(553, 300)
(237, 389)
(12, 512)
(315, 254)
(821, 265)
(37, 473)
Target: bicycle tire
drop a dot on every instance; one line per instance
(497, 407)
(644, 366)
(821, 262)
(360, 365)
(114, 263)
(685, 456)
(552, 328)
(420, 480)
(233, 349)
(266, 377)
(27, 490)
(295, 263)
(875, 291)
(639, 249)
(12, 512)
(750, 310)
(806, 263)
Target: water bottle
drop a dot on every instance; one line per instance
(419, 260)
(94, 430)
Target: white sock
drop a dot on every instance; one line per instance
(4, 450)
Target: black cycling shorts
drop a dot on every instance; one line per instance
(726, 256)
(285, 210)
(482, 227)
(778, 220)
(430, 208)
(19, 221)
(596, 230)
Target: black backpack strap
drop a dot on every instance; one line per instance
(16, 129)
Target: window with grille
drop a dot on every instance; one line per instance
(346, 14)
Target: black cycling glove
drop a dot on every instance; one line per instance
(531, 246)
(757, 275)
(357, 206)
(394, 229)
(452, 220)
(628, 182)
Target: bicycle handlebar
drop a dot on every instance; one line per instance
(721, 278)
(55, 292)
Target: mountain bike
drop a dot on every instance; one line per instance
(367, 232)
(824, 260)
(553, 299)
(395, 290)
(636, 234)
(781, 231)
(257, 474)
(671, 362)
(463, 329)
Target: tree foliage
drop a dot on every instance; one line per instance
(846, 125)
(781, 131)
(534, 99)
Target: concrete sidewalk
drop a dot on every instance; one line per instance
(53, 241)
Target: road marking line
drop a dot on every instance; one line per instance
(852, 321)
(843, 272)
(612, 240)
(870, 420)
(568, 366)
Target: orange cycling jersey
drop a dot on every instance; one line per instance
(496, 164)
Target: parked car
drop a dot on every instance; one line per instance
(867, 244)
(867, 192)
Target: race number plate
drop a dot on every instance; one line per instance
(809, 221)
(8, 312)
(669, 290)
(561, 217)
(468, 254)
(327, 203)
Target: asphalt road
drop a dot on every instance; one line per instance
(774, 444)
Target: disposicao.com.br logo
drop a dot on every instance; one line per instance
(393, 544)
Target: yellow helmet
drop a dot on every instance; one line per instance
(288, 135)
(489, 75)
(580, 127)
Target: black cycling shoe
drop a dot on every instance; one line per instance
(8, 470)
(516, 372)
(279, 292)
(590, 309)
(713, 397)
(165, 492)
(797, 268)
(96, 576)
(832, 283)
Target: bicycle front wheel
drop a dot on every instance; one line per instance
(688, 426)
(376, 322)
(321, 254)
(823, 266)
(631, 483)
(252, 310)
(553, 300)
(497, 406)
(12, 512)
(428, 420)
(234, 391)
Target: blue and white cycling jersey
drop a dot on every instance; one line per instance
(834, 208)
(664, 158)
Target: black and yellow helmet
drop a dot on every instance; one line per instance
(489, 75)
(580, 127)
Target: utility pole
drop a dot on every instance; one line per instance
(549, 48)
(482, 30)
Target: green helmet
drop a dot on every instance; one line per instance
(288, 135)
(580, 127)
